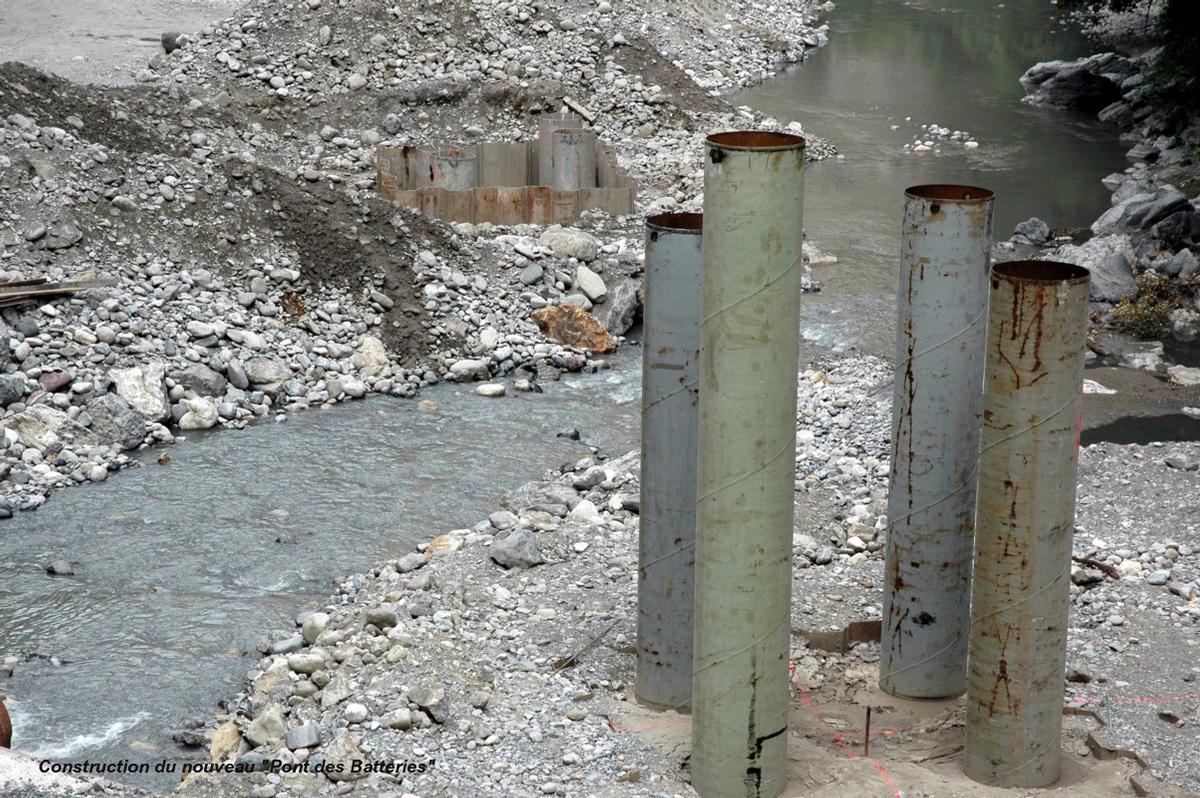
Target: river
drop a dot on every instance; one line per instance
(179, 575)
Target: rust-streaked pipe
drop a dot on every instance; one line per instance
(1037, 330)
(453, 169)
(573, 159)
(670, 420)
(546, 126)
(941, 317)
(750, 334)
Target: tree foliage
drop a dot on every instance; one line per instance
(1176, 69)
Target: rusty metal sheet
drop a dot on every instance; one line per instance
(540, 205)
(432, 201)
(416, 168)
(459, 206)
(408, 199)
(503, 163)
(487, 204)
(590, 198)
(566, 206)
(511, 204)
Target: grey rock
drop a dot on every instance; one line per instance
(267, 373)
(144, 388)
(621, 306)
(12, 388)
(567, 242)
(503, 519)
(411, 561)
(590, 284)
(60, 568)
(1182, 264)
(39, 426)
(201, 379)
(381, 617)
(308, 662)
(201, 413)
(354, 712)
(532, 274)
(114, 420)
(287, 645)
(236, 373)
(267, 728)
(1086, 84)
(432, 699)
(344, 751)
(518, 550)
(1158, 578)
(1034, 229)
(305, 736)
(1141, 211)
(1109, 259)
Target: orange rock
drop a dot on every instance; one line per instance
(571, 325)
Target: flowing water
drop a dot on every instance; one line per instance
(905, 63)
(178, 568)
(178, 571)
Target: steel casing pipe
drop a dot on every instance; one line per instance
(573, 159)
(750, 334)
(670, 421)
(1037, 330)
(940, 323)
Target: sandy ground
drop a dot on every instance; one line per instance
(97, 41)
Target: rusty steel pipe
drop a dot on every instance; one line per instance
(750, 341)
(1029, 448)
(940, 322)
(670, 419)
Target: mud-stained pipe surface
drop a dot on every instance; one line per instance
(750, 333)
(1037, 330)
(941, 317)
(670, 421)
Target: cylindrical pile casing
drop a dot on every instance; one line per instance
(753, 235)
(573, 159)
(1037, 330)
(453, 169)
(670, 418)
(941, 317)
(546, 126)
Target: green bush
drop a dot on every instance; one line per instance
(1148, 316)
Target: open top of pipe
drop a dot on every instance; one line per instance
(676, 222)
(1041, 271)
(944, 192)
(756, 140)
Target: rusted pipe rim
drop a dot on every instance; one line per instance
(1041, 271)
(947, 192)
(755, 141)
(676, 222)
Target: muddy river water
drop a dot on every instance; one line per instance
(178, 568)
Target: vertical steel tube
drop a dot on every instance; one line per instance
(546, 126)
(940, 322)
(670, 418)
(1037, 329)
(750, 335)
(572, 159)
(453, 169)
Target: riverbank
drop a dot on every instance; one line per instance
(1143, 250)
(238, 264)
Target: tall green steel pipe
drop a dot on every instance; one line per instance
(670, 419)
(1029, 448)
(941, 317)
(750, 336)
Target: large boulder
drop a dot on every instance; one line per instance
(201, 413)
(145, 389)
(201, 380)
(41, 425)
(591, 284)
(621, 307)
(1087, 84)
(371, 357)
(1141, 211)
(1109, 259)
(568, 242)
(573, 326)
(518, 550)
(114, 420)
(12, 388)
(267, 373)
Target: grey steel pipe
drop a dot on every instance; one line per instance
(453, 169)
(941, 317)
(1037, 330)
(546, 126)
(670, 419)
(573, 159)
(750, 335)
